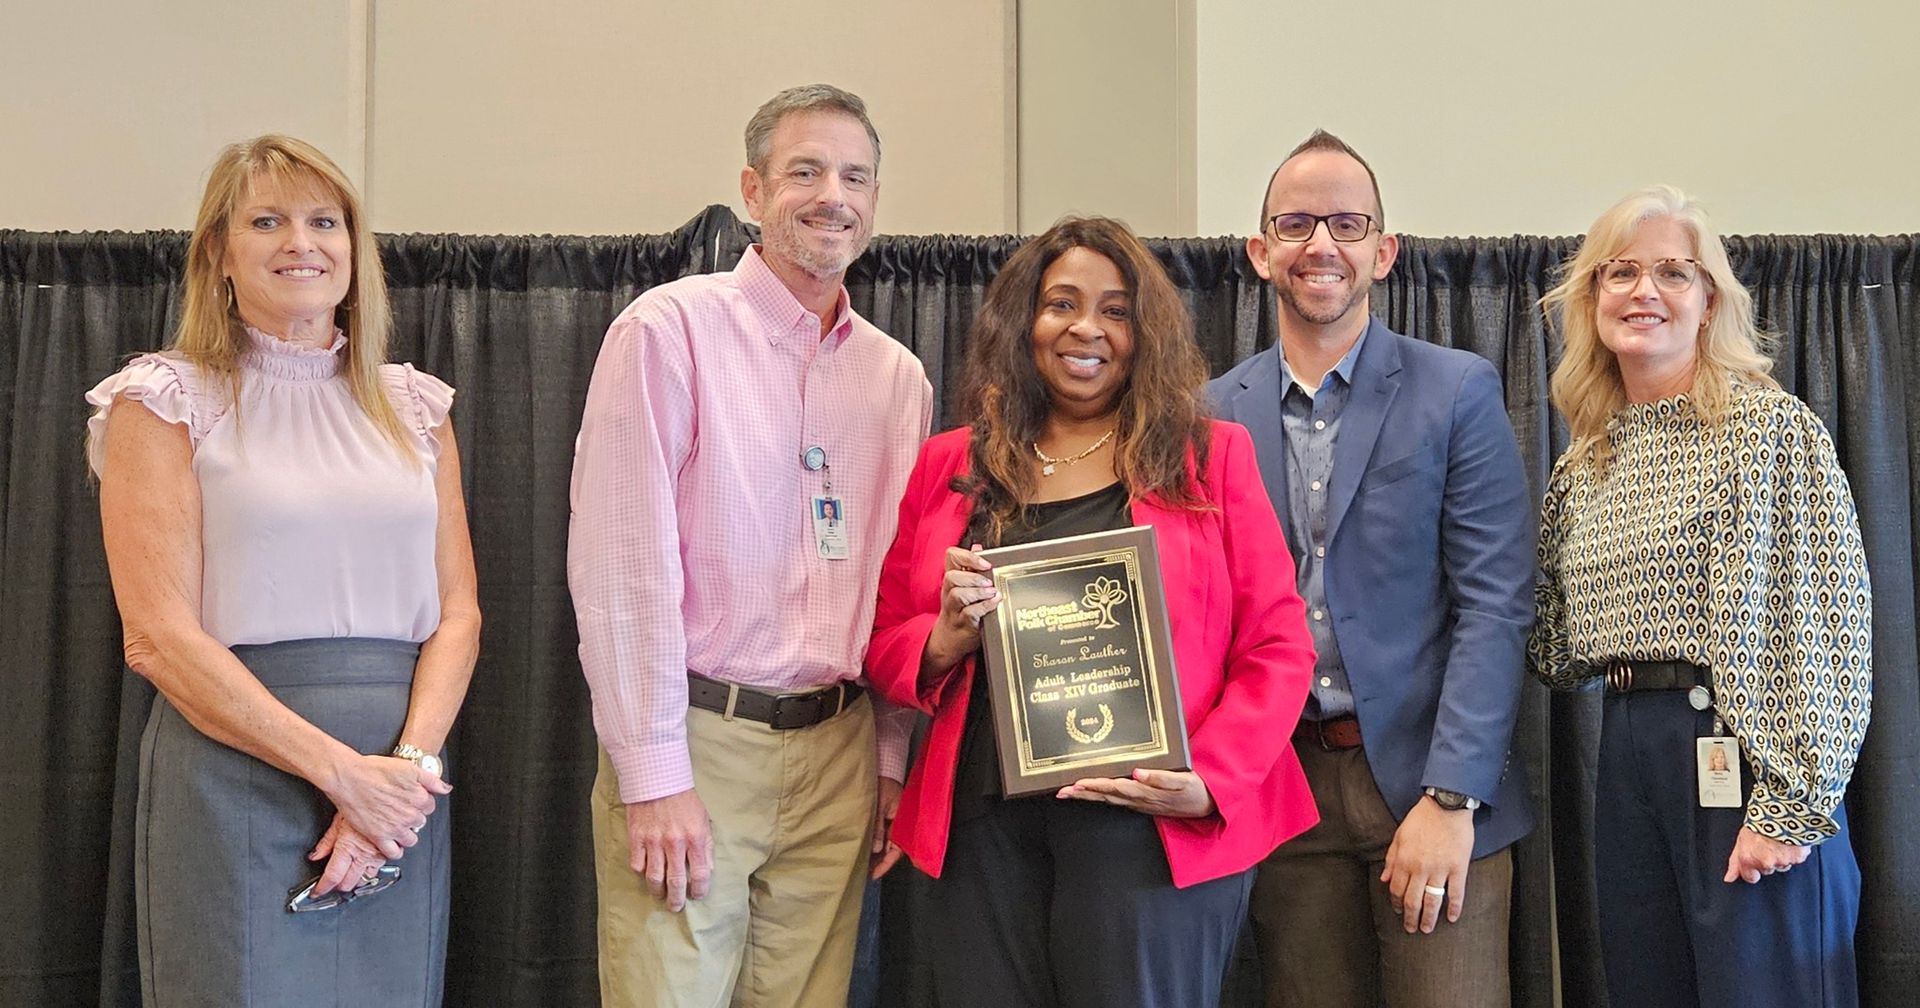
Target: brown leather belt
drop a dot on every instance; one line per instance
(1334, 733)
(783, 711)
(1633, 676)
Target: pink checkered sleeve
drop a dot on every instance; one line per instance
(623, 550)
(892, 729)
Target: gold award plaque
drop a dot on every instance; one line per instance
(1080, 662)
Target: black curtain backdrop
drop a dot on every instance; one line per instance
(515, 323)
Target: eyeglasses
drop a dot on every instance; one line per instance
(302, 899)
(1341, 227)
(1670, 276)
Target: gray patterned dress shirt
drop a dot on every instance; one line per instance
(1311, 422)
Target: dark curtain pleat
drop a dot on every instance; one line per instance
(1847, 310)
(924, 292)
(515, 324)
(73, 307)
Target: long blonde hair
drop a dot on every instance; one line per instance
(211, 333)
(1586, 385)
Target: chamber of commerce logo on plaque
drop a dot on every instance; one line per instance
(1080, 662)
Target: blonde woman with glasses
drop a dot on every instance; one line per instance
(1701, 561)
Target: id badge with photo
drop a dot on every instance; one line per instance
(1717, 761)
(830, 527)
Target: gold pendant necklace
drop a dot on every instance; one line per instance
(1051, 462)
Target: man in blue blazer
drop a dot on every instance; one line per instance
(1394, 469)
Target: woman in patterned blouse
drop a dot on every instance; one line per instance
(1700, 554)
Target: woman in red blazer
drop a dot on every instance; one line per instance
(1086, 391)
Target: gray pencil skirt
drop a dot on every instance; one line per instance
(221, 838)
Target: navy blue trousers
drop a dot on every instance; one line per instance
(1671, 932)
(864, 989)
(1049, 903)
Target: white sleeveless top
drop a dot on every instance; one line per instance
(312, 525)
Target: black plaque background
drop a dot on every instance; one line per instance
(1037, 753)
(1046, 721)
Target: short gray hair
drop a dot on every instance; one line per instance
(805, 98)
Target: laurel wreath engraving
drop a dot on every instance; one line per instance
(1103, 594)
(1099, 734)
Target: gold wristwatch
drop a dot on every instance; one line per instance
(419, 757)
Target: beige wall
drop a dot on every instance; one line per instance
(110, 113)
(564, 116)
(616, 116)
(1107, 112)
(1497, 117)
(586, 116)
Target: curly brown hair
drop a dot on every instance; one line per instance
(1161, 410)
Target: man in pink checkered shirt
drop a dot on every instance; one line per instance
(736, 483)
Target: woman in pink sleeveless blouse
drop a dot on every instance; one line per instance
(288, 542)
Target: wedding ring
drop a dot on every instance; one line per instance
(1434, 890)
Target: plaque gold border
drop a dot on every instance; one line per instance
(1136, 547)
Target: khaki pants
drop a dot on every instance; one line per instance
(792, 817)
(1324, 921)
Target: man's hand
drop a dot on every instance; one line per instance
(1177, 794)
(884, 852)
(1755, 855)
(1430, 850)
(670, 844)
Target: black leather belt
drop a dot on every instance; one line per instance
(1633, 676)
(784, 711)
